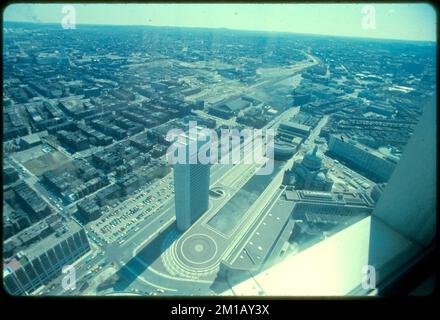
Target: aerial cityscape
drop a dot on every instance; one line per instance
(88, 182)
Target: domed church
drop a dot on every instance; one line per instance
(309, 174)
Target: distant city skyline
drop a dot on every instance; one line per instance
(416, 22)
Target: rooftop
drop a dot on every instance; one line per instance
(376, 153)
(256, 246)
(295, 125)
(38, 248)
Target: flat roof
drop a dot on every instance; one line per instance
(330, 198)
(256, 246)
(297, 125)
(363, 147)
(38, 248)
(317, 271)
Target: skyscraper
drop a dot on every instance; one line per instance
(191, 181)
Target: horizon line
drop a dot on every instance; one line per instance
(221, 28)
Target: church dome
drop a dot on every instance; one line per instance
(311, 160)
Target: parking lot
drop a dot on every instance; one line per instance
(118, 223)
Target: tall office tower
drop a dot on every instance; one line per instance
(191, 181)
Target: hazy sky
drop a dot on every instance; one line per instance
(393, 21)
